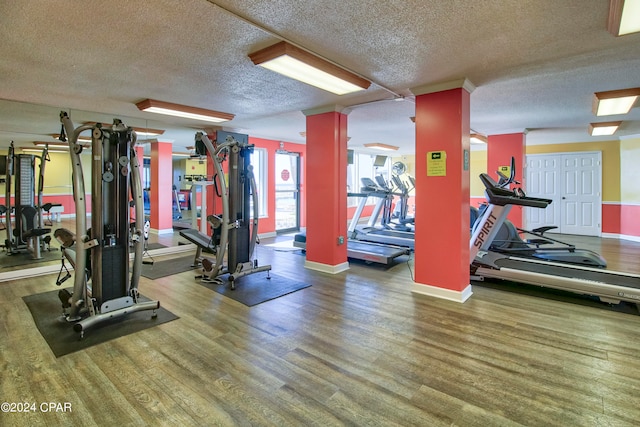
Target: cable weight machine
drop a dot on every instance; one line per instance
(29, 232)
(235, 233)
(104, 287)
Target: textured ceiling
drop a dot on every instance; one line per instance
(535, 64)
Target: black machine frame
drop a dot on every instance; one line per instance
(104, 285)
(235, 232)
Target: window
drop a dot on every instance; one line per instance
(146, 173)
(259, 163)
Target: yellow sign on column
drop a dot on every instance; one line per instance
(437, 163)
(505, 170)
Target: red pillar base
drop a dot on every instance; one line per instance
(442, 191)
(438, 292)
(326, 181)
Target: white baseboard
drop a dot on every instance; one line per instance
(267, 235)
(162, 231)
(448, 294)
(621, 237)
(326, 268)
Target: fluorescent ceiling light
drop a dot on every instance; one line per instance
(380, 146)
(181, 154)
(303, 66)
(476, 138)
(169, 109)
(615, 101)
(604, 128)
(624, 17)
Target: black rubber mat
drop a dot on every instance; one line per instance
(59, 334)
(256, 288)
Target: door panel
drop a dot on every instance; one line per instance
(572, 181)
(542, 181)
(581, 172)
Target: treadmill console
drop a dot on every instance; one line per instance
(501, 196)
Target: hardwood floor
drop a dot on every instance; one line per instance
(356, 348)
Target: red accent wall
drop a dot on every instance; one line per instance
(621, 219)
(611, 218)
(326, 180)
(368, 209)
(214, 204)
(629, 224)
(161, 196)
(442, 234)
(66, 200)
(500, 149)
(477, 201)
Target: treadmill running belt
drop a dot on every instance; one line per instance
(593, 275)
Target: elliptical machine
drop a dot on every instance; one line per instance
(235, 233)
(104, 287)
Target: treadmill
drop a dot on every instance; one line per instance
(371, 233)
(609, 286)
(365, 251)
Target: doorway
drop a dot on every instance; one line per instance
(287, 179)
(573, 181)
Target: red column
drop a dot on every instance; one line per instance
(500, 149)
(161, 187)
(214, 205)
(140, 156)
(442, 191)
(326, 185)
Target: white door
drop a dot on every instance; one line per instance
(581, 199)
(543, 180)
(573, 182)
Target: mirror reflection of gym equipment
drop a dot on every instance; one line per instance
(189, 202)
(103, 286)
(27, 232)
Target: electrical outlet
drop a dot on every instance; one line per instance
(341, 240)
